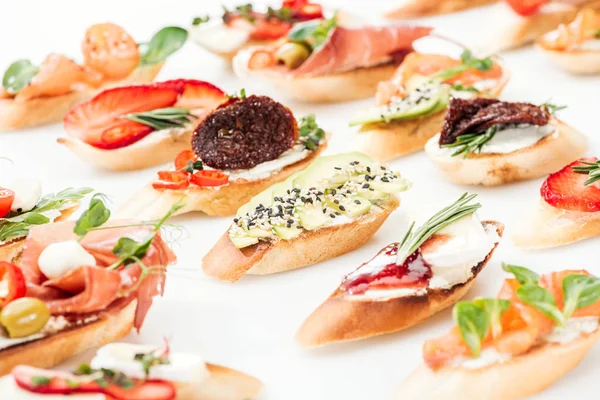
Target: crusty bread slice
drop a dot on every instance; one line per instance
(342, 317)
(517, 378)
(548, 155)
(545, 226)
(223, 384)
(577, 62)
(46, 110)
(427, 8)
(149, 203)
(228, 263)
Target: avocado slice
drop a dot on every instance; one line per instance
(259, 232)
(286, 233)
(324, 168)
(265, 198)
(241, 241)
(352, 207)
(311, 216)
(372, 194)
(393, 186)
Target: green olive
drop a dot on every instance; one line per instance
(24, 317)
(292, 55)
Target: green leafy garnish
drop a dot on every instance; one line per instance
(311, 132)
(313, 33)
(495, 308)
(118, 378)
(592, 169)
(468, 62)
(552, 108)
(580, 291)
(164, 43)
(235, 95)
(473, 324)
(523, 275)
(149, 360)
(18, 75)
(471, 142)
(40, 381)
(459, 87)
(415, 238)
(541, 299)
(245, 11)
(84, 369)
(200, 20)
(96, 215)
(73, 384)
(163, 118)
(103, 377)
(282, 14)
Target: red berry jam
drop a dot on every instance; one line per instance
(413, 273)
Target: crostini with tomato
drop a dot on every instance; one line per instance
(244, 146)
(40, 94)
(136, 127)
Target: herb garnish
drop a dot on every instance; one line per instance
(468, 62)
(150, 359)
(310, 131)
(494, 308)
(472, 142)
(415, 238)
(523, 275)
(592, 169)
(459, 87)
(164, 43)
(473, 323)
(96, 215)
(313, 33)
(18, 75)
(552, 108)
(282, 14)
(245, 11)
(235, 95)
(163, 118)
(40, 381)
(103, 377)
(193, 166)
(200, 20)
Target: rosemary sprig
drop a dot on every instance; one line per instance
(468, 62)
(472, 142)
(163, 118)
(552, 108)
(592, 169)
(415, 238)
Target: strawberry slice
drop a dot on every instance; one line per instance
(565, 189)
(90, 120)
(196, 95)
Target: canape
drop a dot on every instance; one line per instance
(135, 127)
(332, 207)
(324, 61)
(79, 284)
(246, 26)
(575, 47)
(123, 371)
(22, 206)
(410, 107)
(426, 8)
(568, 210)
(407, 282)
(239, 150)
(33, 95)
(490, 142)
(512, 346)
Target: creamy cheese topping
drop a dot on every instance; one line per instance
(218, 37)
(10, 391)
(590, 44)
(27, 194)
(575, 328)
(487, 357)
(159, 135)
(268, 168)
(60, 258)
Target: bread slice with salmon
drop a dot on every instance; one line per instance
(427, 8)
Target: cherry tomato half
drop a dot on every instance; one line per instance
(270, 29)
(7, 197)
(173, 180)
(12, 283)
(183, 158)
(209, 178)
(525, 7)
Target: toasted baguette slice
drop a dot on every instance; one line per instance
(427, 8)
(228, 263)
(343, 318)
(577, 62)
(548, 155)
(150, 203)
(46, 110)
(545, 226)
(517, 378)
(224, 384)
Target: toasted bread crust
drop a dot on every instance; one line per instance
(517, 378)
(228, 263)
(548, 155)
(577, 62)
(224, 384)
(341, 318)
(426, 8)
(46, 110)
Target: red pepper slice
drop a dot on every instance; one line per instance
(209, 177)
(7, 197)
(183, 158)
(15, 282)
(270, 29)
(173, 180)
(526, 7)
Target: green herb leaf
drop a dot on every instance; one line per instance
(149, 360)
(580, 291)
(314, 32)
(40, 381)
(541, 299)
(163, 118)
(193, 166)
(495, 308)
(552, 108)
(164, 43)
(523, 275)
(235, 95)
(592, 169)
(200, 20)
(310, 132)
(459, 87)
(73, 384)
(245, 11)
(84, 369)
(468, 62)
(101, 382)
(473, 324)
(96, 215)
(18, 75)
(471, 142)
(282, 14)
(33, 218)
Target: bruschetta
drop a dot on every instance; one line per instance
(79, 284)
(568, 210)
(410, 108)
(135, 127)
(35, 95)
(490, 142)
(407, 282)
(330, 208)
(323, 61)
(246, 26)
(427, 8)
(123, 371)
(513, 346)
(239, 150)
(575, 47)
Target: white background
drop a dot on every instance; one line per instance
(250, 325)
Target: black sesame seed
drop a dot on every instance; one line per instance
(299, 227)
(357, 201)
(384, 179)
(365, 186)
(342, 208)
(332, 215)
(369, 169)
(333, 192)
(324, 211)
(336, 201)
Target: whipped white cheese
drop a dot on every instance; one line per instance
(10, 391)
(574, 329)
(487, 357)
(218, 37)
(268, 168)
(27, 193)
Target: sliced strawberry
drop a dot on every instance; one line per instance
(196, 95)
(89, 120)
(270, 29)
(123, 133)
(565, 189)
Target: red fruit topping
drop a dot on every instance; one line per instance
(173, 180)
(13, 280)
(184, 158)
(565, 189)
(270, 29)
(209, 178)
(196, 95)
(123, 133)
(526, 7)
(7, 197)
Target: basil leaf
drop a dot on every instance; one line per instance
(200, 20)
(314, 33)
(580, 291)
(18, 75)
(125, 247)
(495, 308)
(523, 275)
(541, 299)
(11, 230)
(164, 43)
(84, 369)
(96, 215)
(53, 201)
(473, 324)
(35, 219)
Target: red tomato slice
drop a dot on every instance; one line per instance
(209, 178)
(526, 7)
(122, 134)
(7, 197)
(172, 180)
(15, 282)
(183, 159)
(270, 29)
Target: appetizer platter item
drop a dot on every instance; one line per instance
(79, 284)
(246, 26)
(332, 207)
(512, 346)
(491, 142)
(123, 371)
(407, 282)
(34, 95)
(575, 47)
(325, 61)
(410, 107)
(135, 127)
(568, 210)
(239, 150)
(517, 23)
(22, 206)
(427, 8)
